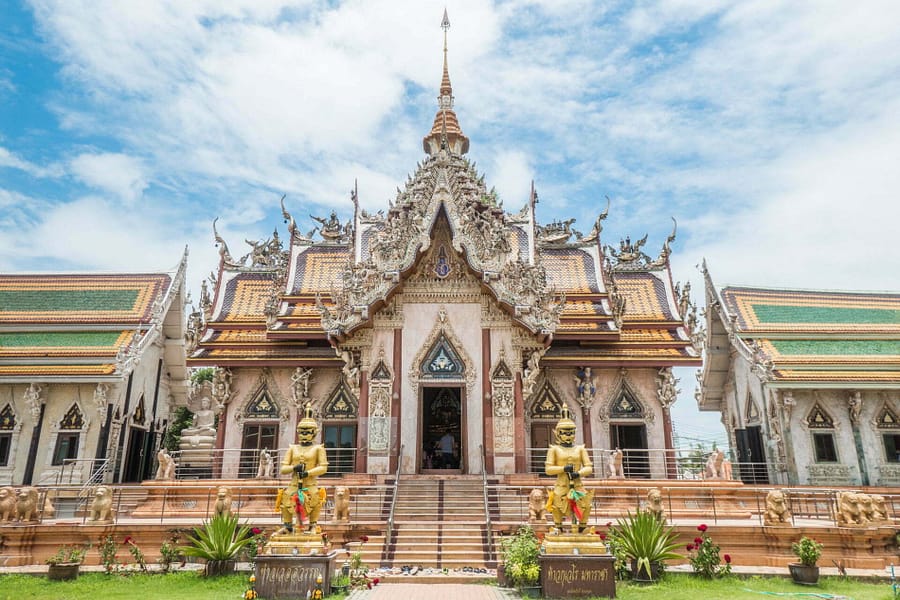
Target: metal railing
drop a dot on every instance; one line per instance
(238, 463)
(487, 509)
(668, 463)
(390, 524)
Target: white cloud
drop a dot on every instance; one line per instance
(119, 174)
(10, 160)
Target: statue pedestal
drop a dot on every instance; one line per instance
(280, 576)
(573, 544)
(295, 544)
(196, 450)
(578, 575)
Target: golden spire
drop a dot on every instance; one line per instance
(445, 131)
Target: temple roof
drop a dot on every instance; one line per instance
(71, 326)
(803, 338)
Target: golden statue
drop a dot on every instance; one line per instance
(304, 462)
(570, 463)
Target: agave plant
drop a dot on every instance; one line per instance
(220, 539)
(645, 539)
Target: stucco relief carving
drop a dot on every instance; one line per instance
(775, 433)
(301, 379)
(380, 386)
(33, 400)
(502, 401)
(833, 474)
(221, 387)
(265, 381)
(666, 387)
(442, 327)
(101, 400)
(854, 405)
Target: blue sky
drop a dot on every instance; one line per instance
(769, 130)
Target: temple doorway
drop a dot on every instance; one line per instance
(256, 438)
(632, 441)
(442, 443)
(134, 458)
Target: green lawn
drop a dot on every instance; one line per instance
(678, 586)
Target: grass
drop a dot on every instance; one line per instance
(679, 586)
(95, 586)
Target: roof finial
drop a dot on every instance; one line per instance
(445, 118)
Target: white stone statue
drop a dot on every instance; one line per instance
(166, 468)
(266, 465)
(615, 464)
(714, 465)
(203, 432)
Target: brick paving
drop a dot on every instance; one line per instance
(424, 591)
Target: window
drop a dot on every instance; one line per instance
(66, 448)
(340, 446)
(5, 443)
(824, 447)
(257, 437)
(891, 447)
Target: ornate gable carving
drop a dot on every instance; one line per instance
(340, 404)
(442, 357)
(266, 401)
(885, 418)
(262, 406)
(7, 418)
(547, 402)
(73, 419)
(139, 416)
(818, 418)
(624, 402)
(752, 415)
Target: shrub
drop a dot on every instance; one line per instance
(521, 551)
(807, 550)
(704, 556)
(643, 538)
(220, 538)
(68, 555)
(108, 549)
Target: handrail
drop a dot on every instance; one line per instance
(487, 509)
(390, 523)
(98, 472)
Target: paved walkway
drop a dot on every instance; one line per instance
(423, 591)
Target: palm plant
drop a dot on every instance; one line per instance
(220, 539)
(645, 539)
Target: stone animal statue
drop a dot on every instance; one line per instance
(777, 511)
(714, 465)
(101, 506)
(849, 510)
(655, 504)
(879, 509)
(223, 501)
(49, 511)
(342, 504)
(7, 504)
(616, 470)
(26, 504)
(537, 504)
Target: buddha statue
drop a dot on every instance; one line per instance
(304, 461)
(570, 463)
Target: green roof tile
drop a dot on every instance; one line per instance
(837, 347)
(775, 313)
(67, 300)
(65, 339)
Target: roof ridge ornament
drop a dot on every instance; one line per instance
(445, 132)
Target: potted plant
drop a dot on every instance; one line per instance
(646, 541)
(218, 542)
(521, 567)
(806, 572)
(340, 582)
(65, 563)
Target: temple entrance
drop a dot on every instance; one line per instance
(441, 448)
(134, 459)
(632, 441)
(541, 438)
(257, 437)
(751, 455)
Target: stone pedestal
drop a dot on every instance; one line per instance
(291, 577)
(578, 575)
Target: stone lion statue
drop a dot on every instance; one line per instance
(537, 504)
(342, 504)
(26, 504)
(7, 504)
(849, 510)
(655, 504)
(223, 501)
(101, 506)
(777, 511)
(879, 509)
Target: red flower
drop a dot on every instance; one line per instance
(128, 540)
(701, 528)
(364, 538)
(256, 531)
(369, 584)
(727, 558)
(690, 547)
(602, 536)
(698, 541)
(375, 581)
(609, 523)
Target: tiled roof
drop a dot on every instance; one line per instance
(645, 296)
(67, 299)
(617, 354)
(49, 344)
(245, 298)
(57, 370)
(797, 311)
(838, 376)
(318, 269)
(832, 352)
(570, 270)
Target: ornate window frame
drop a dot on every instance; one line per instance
(56, 429)
(14, 431)
(442, 328)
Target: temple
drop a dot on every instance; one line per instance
(89, 366)
(442, 314)
(807, 383)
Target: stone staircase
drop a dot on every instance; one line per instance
(439, 522)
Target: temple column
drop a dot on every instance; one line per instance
(520, 441)
(669, 458)
(586, 427)
(395, 398)
(362, 429)
(487, 402)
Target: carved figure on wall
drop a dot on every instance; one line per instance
(777, 511)
(33, 400)
(223, 502)
(102, 505)
(655, 504)
(221, 387)
(26, 504)
(300, 380)
(569, 463)
(854, 403)
(304, 461)
(714, 465)
(7, 504)
(531, 372)
(342, 504)
(266, 467)
(166, 465)
(616, 471)
(537, 504)
(585, 385)
(350, 369)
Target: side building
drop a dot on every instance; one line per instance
(444, 313)
(808, 383)
(90, 365)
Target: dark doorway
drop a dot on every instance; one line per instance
(441, 428)
(751, 455)
(541, 438)
(632, 441)
(257, 437)
(134, 458)
(340, 442)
